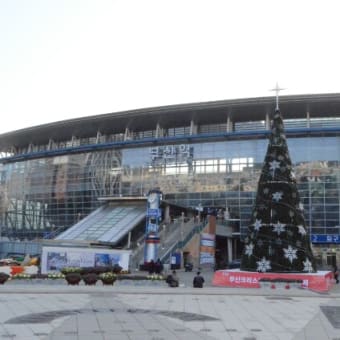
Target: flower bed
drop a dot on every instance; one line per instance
(89, 276)
(49, 276)
(108, 278)
(73, 278)
(3, 278)
(90, 279)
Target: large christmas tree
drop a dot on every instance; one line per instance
(277, 239)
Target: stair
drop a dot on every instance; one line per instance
(175, 236)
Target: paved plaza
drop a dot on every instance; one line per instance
(151, 310)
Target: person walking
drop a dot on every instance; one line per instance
(336, 274)
(158, 266)
(198, 280)
(151, 267)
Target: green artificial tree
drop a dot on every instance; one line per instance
(277, 238)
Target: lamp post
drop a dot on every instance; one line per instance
(164, 236)
(181, 238)
(199, 209)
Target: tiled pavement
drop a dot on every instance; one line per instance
(155, 311)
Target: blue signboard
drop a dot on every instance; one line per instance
(154, 213)
(322, 238)
(152, 228)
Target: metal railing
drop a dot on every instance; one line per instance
(177, 236)
(166, 258)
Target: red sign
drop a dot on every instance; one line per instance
(320, 281)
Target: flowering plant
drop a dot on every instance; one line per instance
(21, 276)
(54, 276)
(107, 275)
(67, 270)
(155, 277)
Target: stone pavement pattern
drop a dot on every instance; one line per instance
(155, 311)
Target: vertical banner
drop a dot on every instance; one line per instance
(153, 217)
(207, 249)
(207, 244)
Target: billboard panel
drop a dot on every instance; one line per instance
(55, 258)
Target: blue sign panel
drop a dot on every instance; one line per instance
(154, 213)
(152, 228)
(321, 238)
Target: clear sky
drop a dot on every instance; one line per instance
(62, 59)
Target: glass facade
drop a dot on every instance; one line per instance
(44, 195)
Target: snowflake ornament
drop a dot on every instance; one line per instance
(302, 230)
(257, 225)
(277, 196)
(307, 266)
(249, 249)
(274, 165)
(279, 227)
(263, 265)
(290, 253)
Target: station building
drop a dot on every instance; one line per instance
(202, 156)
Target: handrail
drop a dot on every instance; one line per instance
(182, 243)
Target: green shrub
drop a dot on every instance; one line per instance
(67, 270)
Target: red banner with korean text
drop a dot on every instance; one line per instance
(320, 281)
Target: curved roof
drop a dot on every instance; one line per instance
(248, 109)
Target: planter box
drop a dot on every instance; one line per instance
(73, 278)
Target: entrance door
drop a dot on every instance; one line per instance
(331, 259)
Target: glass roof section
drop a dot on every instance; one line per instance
(109, 223)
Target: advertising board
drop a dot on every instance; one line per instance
(53, 259)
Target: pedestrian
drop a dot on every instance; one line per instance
(158, 266)
(172, 279)
(336, 274)
(151, 267)
(198, 280)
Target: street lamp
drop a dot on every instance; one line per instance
(181, 237)
(199, 209)
(164, 236)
